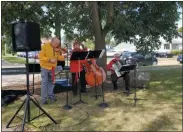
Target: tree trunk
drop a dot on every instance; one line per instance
(99, 36)
(57, 22)
(57, 28)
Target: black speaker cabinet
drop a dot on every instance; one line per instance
(34, 68)
(26, 36)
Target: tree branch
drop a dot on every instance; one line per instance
(109, 17)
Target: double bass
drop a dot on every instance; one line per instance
(94, 75)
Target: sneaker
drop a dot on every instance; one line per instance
(84, 91)
(74, 93)
(54, 100)
(45, 102)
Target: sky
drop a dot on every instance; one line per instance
(180, 20)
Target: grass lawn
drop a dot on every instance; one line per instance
(14, 59)
(161, 109)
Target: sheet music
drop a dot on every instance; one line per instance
(87, 55)
(102, 53)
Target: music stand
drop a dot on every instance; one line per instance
(67, 106)
(26, 102)
(95, 55)
(79, 56)
(127, 67)
(135, 95)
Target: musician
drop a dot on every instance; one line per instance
(75, 69)
(114, 77)
(48, 57)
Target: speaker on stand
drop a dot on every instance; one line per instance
(26, 37)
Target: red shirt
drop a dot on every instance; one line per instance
(74, 64)
(109, 66)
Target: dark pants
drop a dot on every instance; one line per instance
(126, 78)
(82, 82)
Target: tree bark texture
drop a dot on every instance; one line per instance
(98, 33)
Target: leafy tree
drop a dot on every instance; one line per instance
(139, 22)
(142, 23)
(13, 11)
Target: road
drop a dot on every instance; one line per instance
(6, 64)
(164, 63)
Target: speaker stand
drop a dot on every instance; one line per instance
(26, 102)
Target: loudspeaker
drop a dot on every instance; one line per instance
(26, 36)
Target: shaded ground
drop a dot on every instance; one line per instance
(160, 111)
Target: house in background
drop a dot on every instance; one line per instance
(176, 44)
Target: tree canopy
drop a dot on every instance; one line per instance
(139, 22)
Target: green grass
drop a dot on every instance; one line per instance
(160, 111)
(14, 59)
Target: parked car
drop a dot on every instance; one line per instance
(149, 59)
(179, 58)
(21, 54)
(33, 54)
(111, 52)
(164, 55)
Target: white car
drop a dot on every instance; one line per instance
(112, 52)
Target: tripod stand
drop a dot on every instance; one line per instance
(26, 102)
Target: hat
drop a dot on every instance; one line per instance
(117, 55)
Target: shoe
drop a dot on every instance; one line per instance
(45, 102)
(74, 93)
(115, 89)
(54, 100)
(83, 91)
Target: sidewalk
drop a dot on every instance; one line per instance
(14, 80)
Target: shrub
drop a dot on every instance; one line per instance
(176, 52)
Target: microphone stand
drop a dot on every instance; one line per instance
(67, 106)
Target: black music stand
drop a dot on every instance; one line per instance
(67, 106)
(128, 67)
(79, 56)
(135, 94)
(26, 102)
(95, 55)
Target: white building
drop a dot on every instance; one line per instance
(165, 46)
(176, 44)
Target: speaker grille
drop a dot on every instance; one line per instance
(26, 36)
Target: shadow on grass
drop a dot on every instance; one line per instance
(120, 115)
(162, 122)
